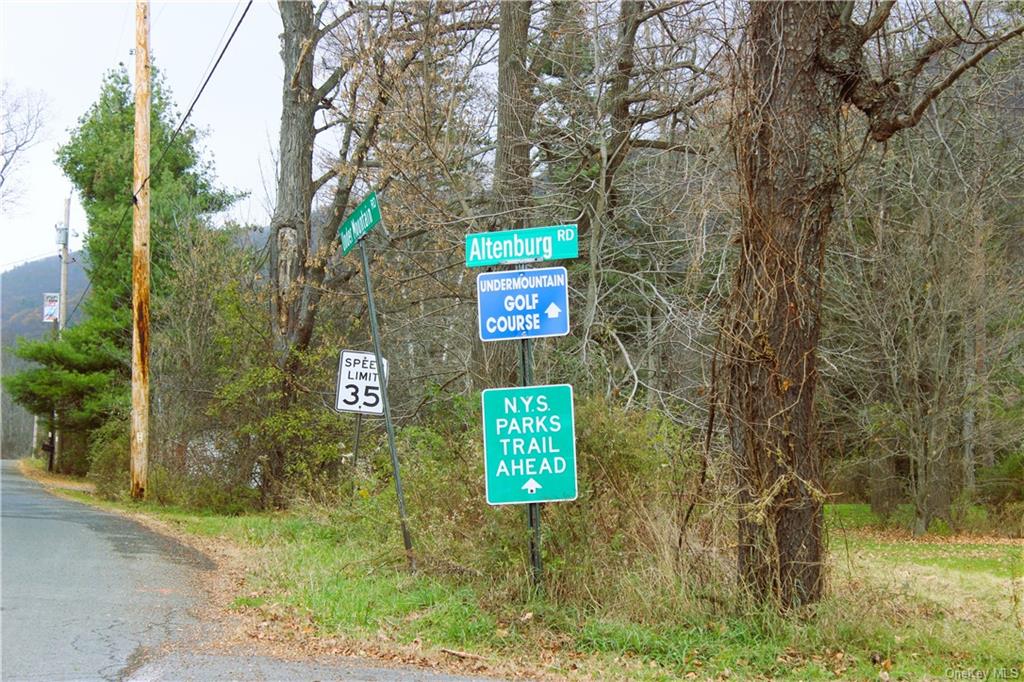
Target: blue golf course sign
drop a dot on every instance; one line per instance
(529, 444)
(522, 304)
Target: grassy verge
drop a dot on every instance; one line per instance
(913, 610)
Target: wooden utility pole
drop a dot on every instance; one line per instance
(64, 232)
(62, 320)
(140, 258)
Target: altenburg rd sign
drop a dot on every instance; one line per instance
(529, 444)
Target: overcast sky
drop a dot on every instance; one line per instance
(63, 50)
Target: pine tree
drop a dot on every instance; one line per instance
(85, 375)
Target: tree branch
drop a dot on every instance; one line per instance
(846, 13)
(930, 49)
(907, 121)
(877, 19)
(665, 145)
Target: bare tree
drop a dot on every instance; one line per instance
(343, 66)
(922, 300)
(22, 121)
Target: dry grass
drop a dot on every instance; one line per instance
(36, 470)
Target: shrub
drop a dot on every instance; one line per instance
(1003, 483)
(1001, 489)
(109, 458)
(616, 546)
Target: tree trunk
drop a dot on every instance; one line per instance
(786, 150)
(290, 224)
(495, 363)
(799, 63)
(974, 358)
(516, 109)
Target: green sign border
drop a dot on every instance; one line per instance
(560, 249)
(575, 466)
(356, 232)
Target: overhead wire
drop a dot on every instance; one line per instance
(174, 136)
(27, 259)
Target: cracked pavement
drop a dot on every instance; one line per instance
(90, 595)
(82, 590)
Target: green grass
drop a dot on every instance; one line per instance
(856, 516)
(849, 516)
(1000, 561)
(345, 573)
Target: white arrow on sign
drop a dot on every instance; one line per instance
(553, 310)
(531, 486)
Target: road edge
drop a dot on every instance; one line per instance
(286, 636)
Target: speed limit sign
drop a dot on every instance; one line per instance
(358, 383)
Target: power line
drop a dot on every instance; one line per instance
(220, 40)
(26, 259)
(177, 131)
(195, 100)
(88, 285)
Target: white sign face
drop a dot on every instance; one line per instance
(358, 383)
(51, 307)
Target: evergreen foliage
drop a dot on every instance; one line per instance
(85, 375)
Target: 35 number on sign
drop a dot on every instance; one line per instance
(370, 395)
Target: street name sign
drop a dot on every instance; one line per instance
(522, 304)
(522, 246)
(358, 383)
(529, 444)
(362, 220)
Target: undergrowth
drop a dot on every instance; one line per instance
(621, 584)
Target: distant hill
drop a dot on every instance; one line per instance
(21, 315)
(21, 296)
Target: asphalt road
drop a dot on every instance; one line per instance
(83, 591)
(88, 595)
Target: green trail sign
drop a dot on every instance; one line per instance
(522, 246)
(529, 444)
(362, 220)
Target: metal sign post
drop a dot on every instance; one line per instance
(355, 451)
(364, 218)
(533, 508)
(388, 423)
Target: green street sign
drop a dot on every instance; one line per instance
(362, 220)
(529, 444)
(556, 242)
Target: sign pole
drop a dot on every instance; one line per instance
(355, 451)
(54, 433)
(389, 425)
(533, 508)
